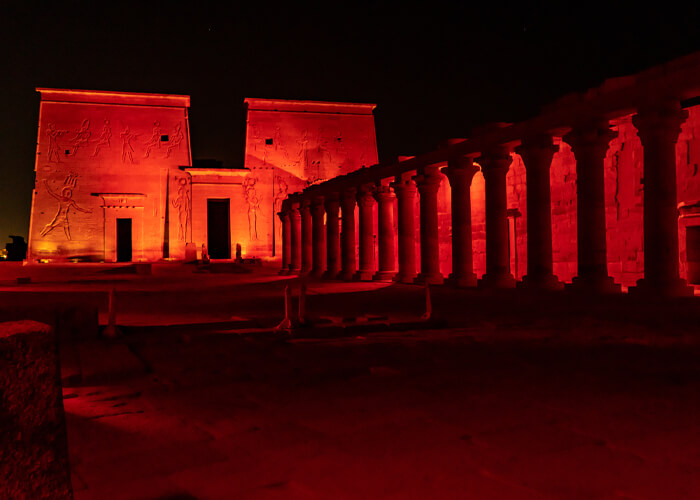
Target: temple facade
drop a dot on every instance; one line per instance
(115, 181)
(601, 190)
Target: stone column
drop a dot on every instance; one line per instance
(295, 222)
(589, 143)
(460, 171)
(349, 265)
(332, 206)
(306, 237)
(428, 183)
(286, 220)
(495, 164)
(405, 189)
(385, 214)
(318, 232)
(537, 153)
(365, 201)
(658, 126)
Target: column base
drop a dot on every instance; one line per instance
(468, 281)
(331, 275)
(547, 282)
(283, 272)
(293, 271)
(430, 279)
(384, 276)
(405, 278)
(317, 273)
(363, 276)
(594, 285)
(675, 288)
(500, 280)
(346, 275)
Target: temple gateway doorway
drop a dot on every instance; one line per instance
(124, 246)
(218, 228)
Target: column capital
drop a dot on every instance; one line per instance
(662, 119)
(332, 202)
(348, 199)
(383, 193)
(497, 158)
(428, 179)
(460, 169)
(365, 195)
(403, 184)
(537, 151)
(317, 203)
(591, 135)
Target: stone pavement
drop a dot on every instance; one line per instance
(432, 414)
(520, 396)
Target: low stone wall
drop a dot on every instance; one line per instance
(33, 443)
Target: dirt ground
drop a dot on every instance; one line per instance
(506, 395)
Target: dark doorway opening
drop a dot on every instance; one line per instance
(218, 229)
(123, 240)
(692, 248)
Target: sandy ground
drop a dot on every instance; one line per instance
(517, 396)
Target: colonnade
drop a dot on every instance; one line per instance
(311, 248)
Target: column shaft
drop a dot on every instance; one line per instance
(306, 237)
(460, 171)
(537, 153)
(365, 201)
(286, 241)
(349, 265)
(295, 219)
(385, 214)
(428, 183)
(319, 237)
(658, 127)
(332, 206)
(590, 144)
(405, 189)
(495, 166)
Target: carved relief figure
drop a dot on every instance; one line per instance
(183, 204)
(82, 136)
(253, 200)
(65, 203)
(103, 140)
(154, 141)
(127, 148)
(54, 134)
(175, 140)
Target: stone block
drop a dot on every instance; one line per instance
(33, 443)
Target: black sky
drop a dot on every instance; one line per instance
(434, 71)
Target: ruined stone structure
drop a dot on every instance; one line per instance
(115, 179)
(600, 190)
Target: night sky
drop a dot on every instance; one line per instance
(433, 71)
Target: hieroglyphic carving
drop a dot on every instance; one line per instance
(183, 203)
(253, 200)
(65, 203)
(54, 134)
(127, 148)
(154, 141)
(82, 136)
(103, 140)
(175, 140)
(303, 153)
